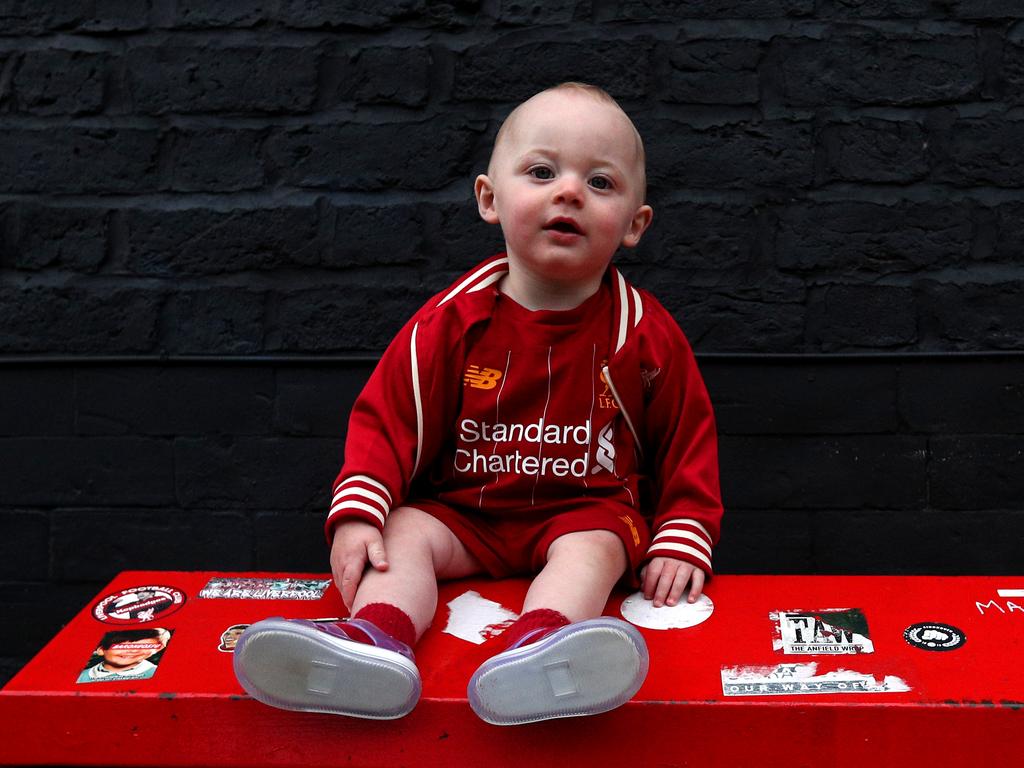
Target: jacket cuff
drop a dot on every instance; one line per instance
(683, 539)
(358, 497)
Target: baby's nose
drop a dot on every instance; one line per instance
(569, 189)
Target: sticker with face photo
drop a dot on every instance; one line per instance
(229, 637)
(129, 654)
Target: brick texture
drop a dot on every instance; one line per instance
(798, 151)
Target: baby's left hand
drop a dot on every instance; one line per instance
(664, 580)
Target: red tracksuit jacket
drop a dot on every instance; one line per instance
(404, 421)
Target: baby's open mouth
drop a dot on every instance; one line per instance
(564, 225)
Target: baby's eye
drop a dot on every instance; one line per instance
(601, 182)
(541, 172)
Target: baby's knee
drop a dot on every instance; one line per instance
(417, 530)
(600, 546)
(408, 522)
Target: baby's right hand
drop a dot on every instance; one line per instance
(355, 543)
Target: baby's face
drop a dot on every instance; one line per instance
(567, 182)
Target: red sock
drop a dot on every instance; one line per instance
(539, 618)
(394, 621)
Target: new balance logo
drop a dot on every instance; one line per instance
(481, 378)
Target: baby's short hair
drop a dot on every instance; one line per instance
(597, 93)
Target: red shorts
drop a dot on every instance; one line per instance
(518, 544)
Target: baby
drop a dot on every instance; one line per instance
(537, 417)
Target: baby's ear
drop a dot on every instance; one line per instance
(483, 188)
(638, 225)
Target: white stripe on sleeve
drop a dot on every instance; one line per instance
(696, 538)
(623, 311)
(471, 279)
(489, 280)
(639, 306)
(346, 492)
(416, 398)
(685, 549)
(366, 479)
(349, 504)
(685, 521)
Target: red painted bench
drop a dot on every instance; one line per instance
(942, 685)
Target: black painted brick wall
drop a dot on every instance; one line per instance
(193, 178)
(288, 177)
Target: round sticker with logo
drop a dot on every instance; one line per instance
(932, 636)
(137, 605)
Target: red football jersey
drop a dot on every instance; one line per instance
(537, 421)
(484, 405)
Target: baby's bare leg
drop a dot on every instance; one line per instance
(420, 550)
(581, 570)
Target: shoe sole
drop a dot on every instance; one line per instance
(583, 669)
(291, 666)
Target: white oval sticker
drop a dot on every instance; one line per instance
(640, 611)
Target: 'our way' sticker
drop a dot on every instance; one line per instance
(803, 680)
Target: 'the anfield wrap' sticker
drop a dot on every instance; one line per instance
(137, 605)
(823, 632)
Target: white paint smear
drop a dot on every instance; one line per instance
(803, 680)
(641, 612)
(475, 619)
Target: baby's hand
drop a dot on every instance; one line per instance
(355, 543)
(664, 580)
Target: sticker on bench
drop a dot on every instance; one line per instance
(264, 589)
(803, 680)
(229, 637)
(126, 654)
(476, 619)
(137, 605)
(823, 632)
(932, 636)
(636, 609)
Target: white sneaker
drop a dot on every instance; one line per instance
(316, 667)
(581, 669)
